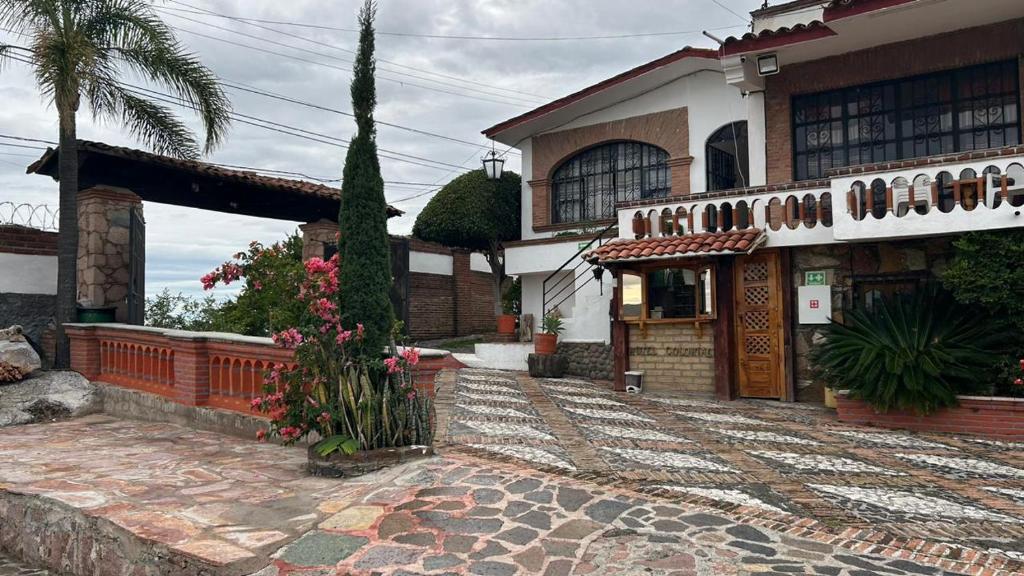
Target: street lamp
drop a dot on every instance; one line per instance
(493, 164)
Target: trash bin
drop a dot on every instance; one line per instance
(95, 315)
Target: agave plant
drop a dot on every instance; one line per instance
(910, 353)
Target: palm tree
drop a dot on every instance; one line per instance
(81, 49)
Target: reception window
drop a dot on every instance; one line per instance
(667, 294)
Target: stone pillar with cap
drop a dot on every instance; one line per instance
(319, 239)
(104, 247)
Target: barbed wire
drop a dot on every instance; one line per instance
(39, 216)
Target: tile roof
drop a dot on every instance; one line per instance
(47, 165)
(688, 246)
(685, 52)
(766, 39)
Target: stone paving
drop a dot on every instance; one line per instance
(966, 493)
(550, 491)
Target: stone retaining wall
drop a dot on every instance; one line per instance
(997, 417)
(588, 359)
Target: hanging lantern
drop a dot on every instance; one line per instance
(493, 165)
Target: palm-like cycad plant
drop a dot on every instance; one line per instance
(910, 353)
(80, 50)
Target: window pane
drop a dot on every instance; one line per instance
(632, 295)
(707, 301)
(906, 118)
(671, 293)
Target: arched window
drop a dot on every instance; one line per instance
(726, 156)
(587, 186)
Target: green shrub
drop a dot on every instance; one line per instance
(910, 353)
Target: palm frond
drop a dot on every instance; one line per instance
(150, 122)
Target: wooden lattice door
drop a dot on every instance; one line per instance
(759, 333)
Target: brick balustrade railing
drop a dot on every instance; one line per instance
(215, 369)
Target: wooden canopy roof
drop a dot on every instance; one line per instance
(196, 184)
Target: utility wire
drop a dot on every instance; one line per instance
(746, 19)
(292, 130)
(487, 38)
(532, 101)
(286, 129)
(235, 85)
(23, 139)
(205, 12)
(22, 146)
(326, 65)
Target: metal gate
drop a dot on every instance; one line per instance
(136, 268)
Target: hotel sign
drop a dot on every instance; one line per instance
(673, 351)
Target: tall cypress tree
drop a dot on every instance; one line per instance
(363, 248)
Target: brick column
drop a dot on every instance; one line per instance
(317, 236)
(85, 350)
(104, 247)
(191, 370)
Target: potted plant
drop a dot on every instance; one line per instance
(546, 342)
(509, 308)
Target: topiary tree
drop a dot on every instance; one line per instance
(475, 213)
(363, 246)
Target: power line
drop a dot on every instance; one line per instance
(326, 65)
(22, 146)
(294, 131)
(486, 38)
(246, 88)
(23, 139)
(746, 19)
(205, 12)
(532, 101)
(246, 119)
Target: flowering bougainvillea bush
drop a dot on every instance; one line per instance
(266, 303)
(351, 397)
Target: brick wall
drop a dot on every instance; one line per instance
(668, 130)
(22, 240)
(920, 56)
(674, 357)
(474, 298)
(442, 306)
(431, 306)
(34, 312)
(1001, 418)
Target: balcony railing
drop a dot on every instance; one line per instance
(984, 193)
(791, 218)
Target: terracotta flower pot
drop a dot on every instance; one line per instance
(506, 324)
(545, 344)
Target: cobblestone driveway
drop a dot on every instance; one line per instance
(754, 459)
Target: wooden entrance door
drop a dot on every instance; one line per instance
(759, 331)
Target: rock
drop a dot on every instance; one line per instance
(547, 366)
(46, 396)
(17, 353)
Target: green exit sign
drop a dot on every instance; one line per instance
(814, 278)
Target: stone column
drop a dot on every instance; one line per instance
(104, 247)
(317, 237)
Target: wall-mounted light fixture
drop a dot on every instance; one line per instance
(767, 64)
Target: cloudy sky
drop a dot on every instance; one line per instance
(452, 87)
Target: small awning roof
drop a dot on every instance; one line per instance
(197, 184)
(624, 251)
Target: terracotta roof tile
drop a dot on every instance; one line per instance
(769, 38)
(706, 244)
(202, 168)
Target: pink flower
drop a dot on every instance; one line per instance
(1019, 382)
(324, 417)
(393, 364)
(344, 336)
(209, 280)
(411, 355)
(359, 331)
(290, 338)
(261, 435)
(256, 403)
(257, 285)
